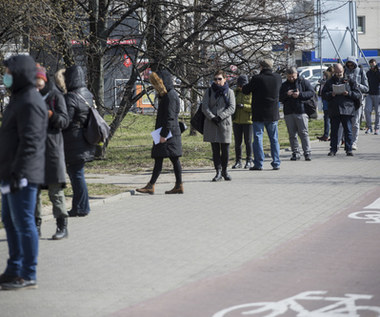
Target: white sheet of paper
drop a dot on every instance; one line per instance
(156, 135)
(339, 89)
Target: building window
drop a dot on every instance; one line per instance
(361, 24)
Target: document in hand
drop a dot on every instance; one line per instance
(339, 89)
(156, 135)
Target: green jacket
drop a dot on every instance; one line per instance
(243, 115)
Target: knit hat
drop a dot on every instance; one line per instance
(266, 63)
(242, 80)
(41, 72)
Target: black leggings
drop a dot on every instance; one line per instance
(158, 168)
(220, 152)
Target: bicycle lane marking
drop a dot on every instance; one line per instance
(339, 259)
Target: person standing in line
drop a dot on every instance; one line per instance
(55, 170)
(167, 120)
(341, 108)
(373, 98)
(22, 158)
(293, 93)
(242, 124)
(218, 107)
(77, 150)
(327, 74)
(265, 89)
(355, 73)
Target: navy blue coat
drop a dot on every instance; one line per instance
(24, 125)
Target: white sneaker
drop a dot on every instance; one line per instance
(354, 146)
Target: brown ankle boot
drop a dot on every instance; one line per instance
(177, 189)
(148, 189)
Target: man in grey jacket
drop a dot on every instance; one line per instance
(352, 71)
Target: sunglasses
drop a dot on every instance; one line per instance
(218, 78)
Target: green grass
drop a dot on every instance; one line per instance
(130, 148)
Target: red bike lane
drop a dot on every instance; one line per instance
(332, 268)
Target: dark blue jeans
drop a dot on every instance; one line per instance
(18, 217)
(347, 128)
(80, 203)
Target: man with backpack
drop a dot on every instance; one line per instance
(294, 92)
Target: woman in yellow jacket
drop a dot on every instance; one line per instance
(242, 124)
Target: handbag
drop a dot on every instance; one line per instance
(197, 121)
(182, 126)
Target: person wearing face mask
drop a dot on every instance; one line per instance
(341, 107)
(22, 161)
(55, 179)
(373, 98)
(293, 93)
(218, 106)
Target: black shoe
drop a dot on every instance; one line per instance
(19, 283)
(7, 279)
(307, 157)
(218, 176)
(331, 153)
(349, 153)
(295, 157)
(61, 229)
(248, 164)
(237, 164)
(76, 214)
(255, 168)
(276, 168)
(226, 176)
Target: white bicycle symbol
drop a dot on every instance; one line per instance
(371, 215)
(342, 306)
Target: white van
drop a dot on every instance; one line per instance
(311, 72)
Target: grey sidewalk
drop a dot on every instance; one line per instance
(134, 247)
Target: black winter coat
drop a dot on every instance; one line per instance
(55, 170)
(167, 118)
(340, 104)
(265, 89)
(373, 82)
(295, 105)
(24, 125)
(77, 149)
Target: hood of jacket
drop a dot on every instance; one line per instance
(166, 78)
(24, 71)
(351, 59)
(74, 78)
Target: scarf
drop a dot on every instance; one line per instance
(221, 91)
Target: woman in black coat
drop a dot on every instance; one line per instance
(77, 150)
(55, 170)
(167, 120)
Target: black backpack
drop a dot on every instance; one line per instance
(97, 130)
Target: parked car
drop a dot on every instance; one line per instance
(313, 74)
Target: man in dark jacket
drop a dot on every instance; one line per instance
(265, 89)
(373, 98)
(293, 93)
(55, 170)
(22, 157)
(341, 95)
(77, 150)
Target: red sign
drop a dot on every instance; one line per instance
(127, 61)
